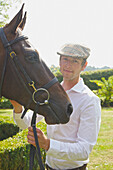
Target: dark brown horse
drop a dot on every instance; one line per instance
(54, 103)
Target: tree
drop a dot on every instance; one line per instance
(105, 92)
(56, 72)
(4, 7)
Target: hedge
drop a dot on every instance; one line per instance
(14, 152)
(7, 130)
(7, 127)
(5, 103)
(95, 75)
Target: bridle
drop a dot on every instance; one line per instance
(18, 66)
(16, 63)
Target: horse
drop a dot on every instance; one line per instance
(25, 78)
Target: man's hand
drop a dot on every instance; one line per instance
(44, 142)
(17, 106)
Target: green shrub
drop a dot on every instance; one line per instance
(5, 103)
(7, 130)
(7, 127)
(56, 72)
(14, 152)
(105, 92)
(95, 75)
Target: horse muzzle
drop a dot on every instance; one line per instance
(56, 116)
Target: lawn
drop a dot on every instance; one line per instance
(101, 157)
(6, 114)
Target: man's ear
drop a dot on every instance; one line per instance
(84, 66)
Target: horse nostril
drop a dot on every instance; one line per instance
(69, 109)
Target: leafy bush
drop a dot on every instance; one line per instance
(95, 75)
(7, 130)
(14, 152)
(105, 92)
(5, 103)
(7, 127)
(56, 72)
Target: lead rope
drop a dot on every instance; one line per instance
(33, 149)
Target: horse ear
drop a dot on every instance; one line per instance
(22, 24)
(16, 20)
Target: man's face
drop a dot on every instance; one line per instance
(71, 67)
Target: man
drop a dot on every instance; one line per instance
(68, 146)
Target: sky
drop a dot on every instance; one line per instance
(52, 23)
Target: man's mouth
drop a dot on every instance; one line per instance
(68, 71)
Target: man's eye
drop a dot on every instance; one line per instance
(75, 61)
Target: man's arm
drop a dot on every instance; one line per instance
(17, 112)
(26, 121)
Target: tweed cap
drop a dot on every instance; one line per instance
(74, 50)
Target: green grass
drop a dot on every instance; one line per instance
(6, 115)
(101, 157)
(6, 112)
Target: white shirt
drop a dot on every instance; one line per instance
(71, 143)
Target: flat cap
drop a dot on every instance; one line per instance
(74, 50)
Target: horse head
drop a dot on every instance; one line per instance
(26, 77)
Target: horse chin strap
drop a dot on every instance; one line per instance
(16, 63)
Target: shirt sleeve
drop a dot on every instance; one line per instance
(26, 121)
(90, 118)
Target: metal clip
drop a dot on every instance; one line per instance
(32, 85)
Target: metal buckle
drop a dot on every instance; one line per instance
(12, 54)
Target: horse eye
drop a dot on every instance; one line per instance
(32, 57)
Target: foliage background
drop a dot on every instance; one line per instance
(5, 5)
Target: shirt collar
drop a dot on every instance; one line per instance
(78, 87)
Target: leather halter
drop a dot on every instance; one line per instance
(15, 62)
